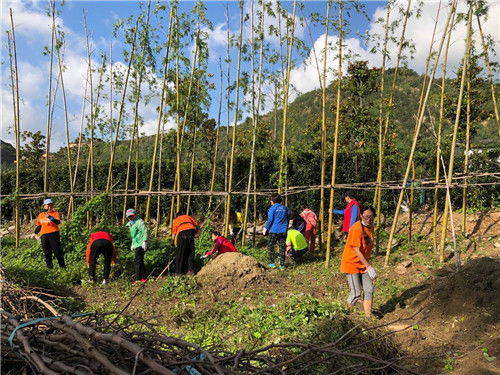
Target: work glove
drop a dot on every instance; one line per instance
(34, 236)
(371, 272)
(145, 245)
(204, 256)
(265, 231)
(132, 247)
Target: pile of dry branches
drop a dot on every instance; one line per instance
(122, 344)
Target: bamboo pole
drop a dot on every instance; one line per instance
(412, 199)
(283, 170)
(80, 135)
(439, 135)
(184, 119)
(191, 172)
(49, 99)
(255, 113)
(121, 110)
(488, 68)
(228, 99)
(466, 157)
(158, 202)
(388, 117)
(134, 139)
(160, 114)
(465, 66)
(335, 139)
(233, 137)
(111, 201)
(217, 134)
(416, 133)
(177, 117)
(17, 120)
(66, 121)
(323, 130)
(377, 198)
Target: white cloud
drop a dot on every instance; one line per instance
(305, 76)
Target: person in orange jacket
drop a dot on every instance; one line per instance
(184, 228)
(355, 263)
(100, 243)
(47, 226)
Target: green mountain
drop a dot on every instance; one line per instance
(8, 153)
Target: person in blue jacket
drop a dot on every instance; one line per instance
(276, 226)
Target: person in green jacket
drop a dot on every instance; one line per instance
(296, 244)
(139, 234)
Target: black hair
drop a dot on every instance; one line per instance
(276, 198)
(369, 207)
(216, 232)
(349, 194)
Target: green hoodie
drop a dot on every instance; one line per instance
(138, 232)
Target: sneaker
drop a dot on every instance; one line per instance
(271, 265)
(281, 268)
(105, 281)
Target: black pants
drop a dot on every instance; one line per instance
(297, 254)
(184, 257)
(51, 243)
(140, 268)
(280, 238)
(99, 247)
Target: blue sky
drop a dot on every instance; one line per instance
(33, 33)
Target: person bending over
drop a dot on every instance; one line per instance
(221, 245)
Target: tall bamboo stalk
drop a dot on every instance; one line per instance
(49, 99)
(121, 110)
(465, 67)
(160, 114)
(228, 98)
(17, 120)
(158, 202)
(111, 201)
(66, 121)
(283, 161)
(177, 117)
(217, 135)
(490, 74)
(80, 134)
(388, 115)
(191, 171)
(323, 130)
(438, 138)
(416, 134)
(412, 200)
(134, 139)
(466, 157)
(233, 137)
(182, 129)
(255, 112)
(335, 139)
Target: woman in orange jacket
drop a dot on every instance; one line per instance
(100, 243)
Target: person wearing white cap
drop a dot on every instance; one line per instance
(139, 234)
(47, 226)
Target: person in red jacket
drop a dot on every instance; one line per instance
(351, 212)
(100, 243)
(221, 245)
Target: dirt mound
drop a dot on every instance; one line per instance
(458, 315)
(472, 291)
(232, 271)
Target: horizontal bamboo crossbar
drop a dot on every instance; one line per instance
(425, 184)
